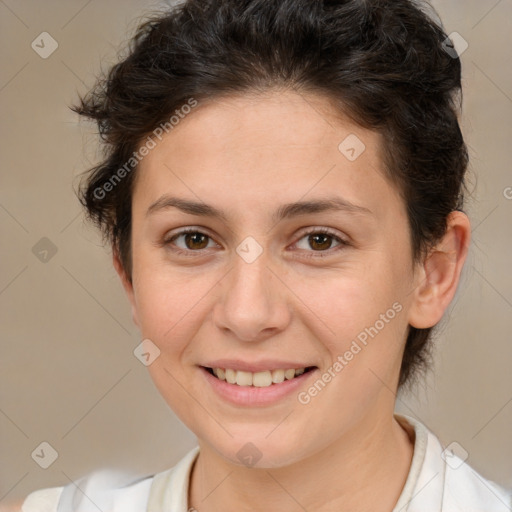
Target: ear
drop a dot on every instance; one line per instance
(127, 284)
(438, 276)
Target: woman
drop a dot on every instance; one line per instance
(283, 193)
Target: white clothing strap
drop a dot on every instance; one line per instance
(169, 489)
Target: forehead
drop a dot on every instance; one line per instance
(254, 150)
(252, 122)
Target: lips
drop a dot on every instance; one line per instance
(261, 392)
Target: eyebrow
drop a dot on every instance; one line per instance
(285, 211)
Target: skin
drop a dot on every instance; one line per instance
(12, 506)
(247, 155)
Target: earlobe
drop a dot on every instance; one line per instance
(127, 284)
(439, 274)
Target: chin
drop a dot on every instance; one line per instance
(260, 452)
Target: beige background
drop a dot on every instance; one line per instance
(68, 375)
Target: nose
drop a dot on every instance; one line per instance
(253, 304)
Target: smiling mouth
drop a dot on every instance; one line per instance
(258, 379)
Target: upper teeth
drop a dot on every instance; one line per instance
(258, 379)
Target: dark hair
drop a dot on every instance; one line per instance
(382, 62)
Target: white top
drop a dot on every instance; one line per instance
(438, 481)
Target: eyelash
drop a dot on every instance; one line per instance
(316, 254)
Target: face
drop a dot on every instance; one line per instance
(261, 284)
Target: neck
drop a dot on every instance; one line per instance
(365, 469)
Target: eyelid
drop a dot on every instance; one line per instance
(323, 230)
(343, 242)
(311, 230)
(169, 238)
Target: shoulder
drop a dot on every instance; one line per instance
(114, 491)
(465, 489)
(11, 506)
(446, 482)
(43, 500)
(101, 490)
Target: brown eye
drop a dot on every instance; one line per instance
(196, 240)
(320, 241)
(188, 241)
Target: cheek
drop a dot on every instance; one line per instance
(342, 304)
(358, 316)
(170, 312)
(166, 308)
